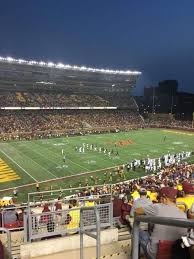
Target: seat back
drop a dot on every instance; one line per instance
(12, 225)
(165, 249)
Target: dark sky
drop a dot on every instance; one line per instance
(153, 36)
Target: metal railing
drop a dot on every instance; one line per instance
(61, 222)
(66, 193)
(184, 223)
(7, 243)
(84, 231)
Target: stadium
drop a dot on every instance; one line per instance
(75, 154)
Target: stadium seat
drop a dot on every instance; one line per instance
(165, 249)
(16, 224)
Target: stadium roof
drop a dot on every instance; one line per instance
(19, 74)
(68, 67)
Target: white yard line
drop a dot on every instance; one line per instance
(37, 163)
(67, 159)
(51, 159)
(19, 166)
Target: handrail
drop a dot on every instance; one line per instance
(167, 221)
(8, 238)
(82, 231)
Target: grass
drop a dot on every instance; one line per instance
(40, 160)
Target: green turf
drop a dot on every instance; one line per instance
(42, 159)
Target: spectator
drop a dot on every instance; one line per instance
(117, 204)
(73, 217)
(166, 208)
(141, 202)
(46, 217)
(10, 216)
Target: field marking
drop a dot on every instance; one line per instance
(179, 132)
(53, 154)
(36, 162)
(85, 168)
(19, 166)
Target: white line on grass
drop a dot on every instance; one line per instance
(51, 159)
(38, 163)
(19, 166)
(85, 168)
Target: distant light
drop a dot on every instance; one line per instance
(10, 59)
(60, 65)
(50, 64)
(32, 62)
(67, 66)
(83, 68)
(46, 83)
(41, 63)
(21, 61)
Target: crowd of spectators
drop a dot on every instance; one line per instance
(50, 99)
(50, 121)
(162, 195)
(152, 195)
(167, 120)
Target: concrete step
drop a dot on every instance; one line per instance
(116, 250)
(124, 234)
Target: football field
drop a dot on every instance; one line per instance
(23, 162)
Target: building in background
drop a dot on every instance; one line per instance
(165, 98)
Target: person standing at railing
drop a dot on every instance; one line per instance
(166, 208)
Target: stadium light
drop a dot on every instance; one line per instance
(60, 65)
(67, 66)
(10, 59)
(51, 64)
(21, 61)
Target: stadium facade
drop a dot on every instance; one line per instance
(22, 75)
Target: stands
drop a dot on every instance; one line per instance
(50, 99)
(47, 123)
(46, 219)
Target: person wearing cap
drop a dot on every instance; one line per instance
(166, 208)
(141, 202)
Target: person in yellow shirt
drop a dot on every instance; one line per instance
(73, 218)
(153, 195)
(90, 202)
(135, 194)
(188, 198)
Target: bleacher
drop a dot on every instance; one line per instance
(51, 216)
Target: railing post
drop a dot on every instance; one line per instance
(97, 233)
(26, 238)
(81, 235)
(29, 224)
(111, 213)
(97, 236)
(135, 240)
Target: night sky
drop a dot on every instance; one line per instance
(153, 36)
